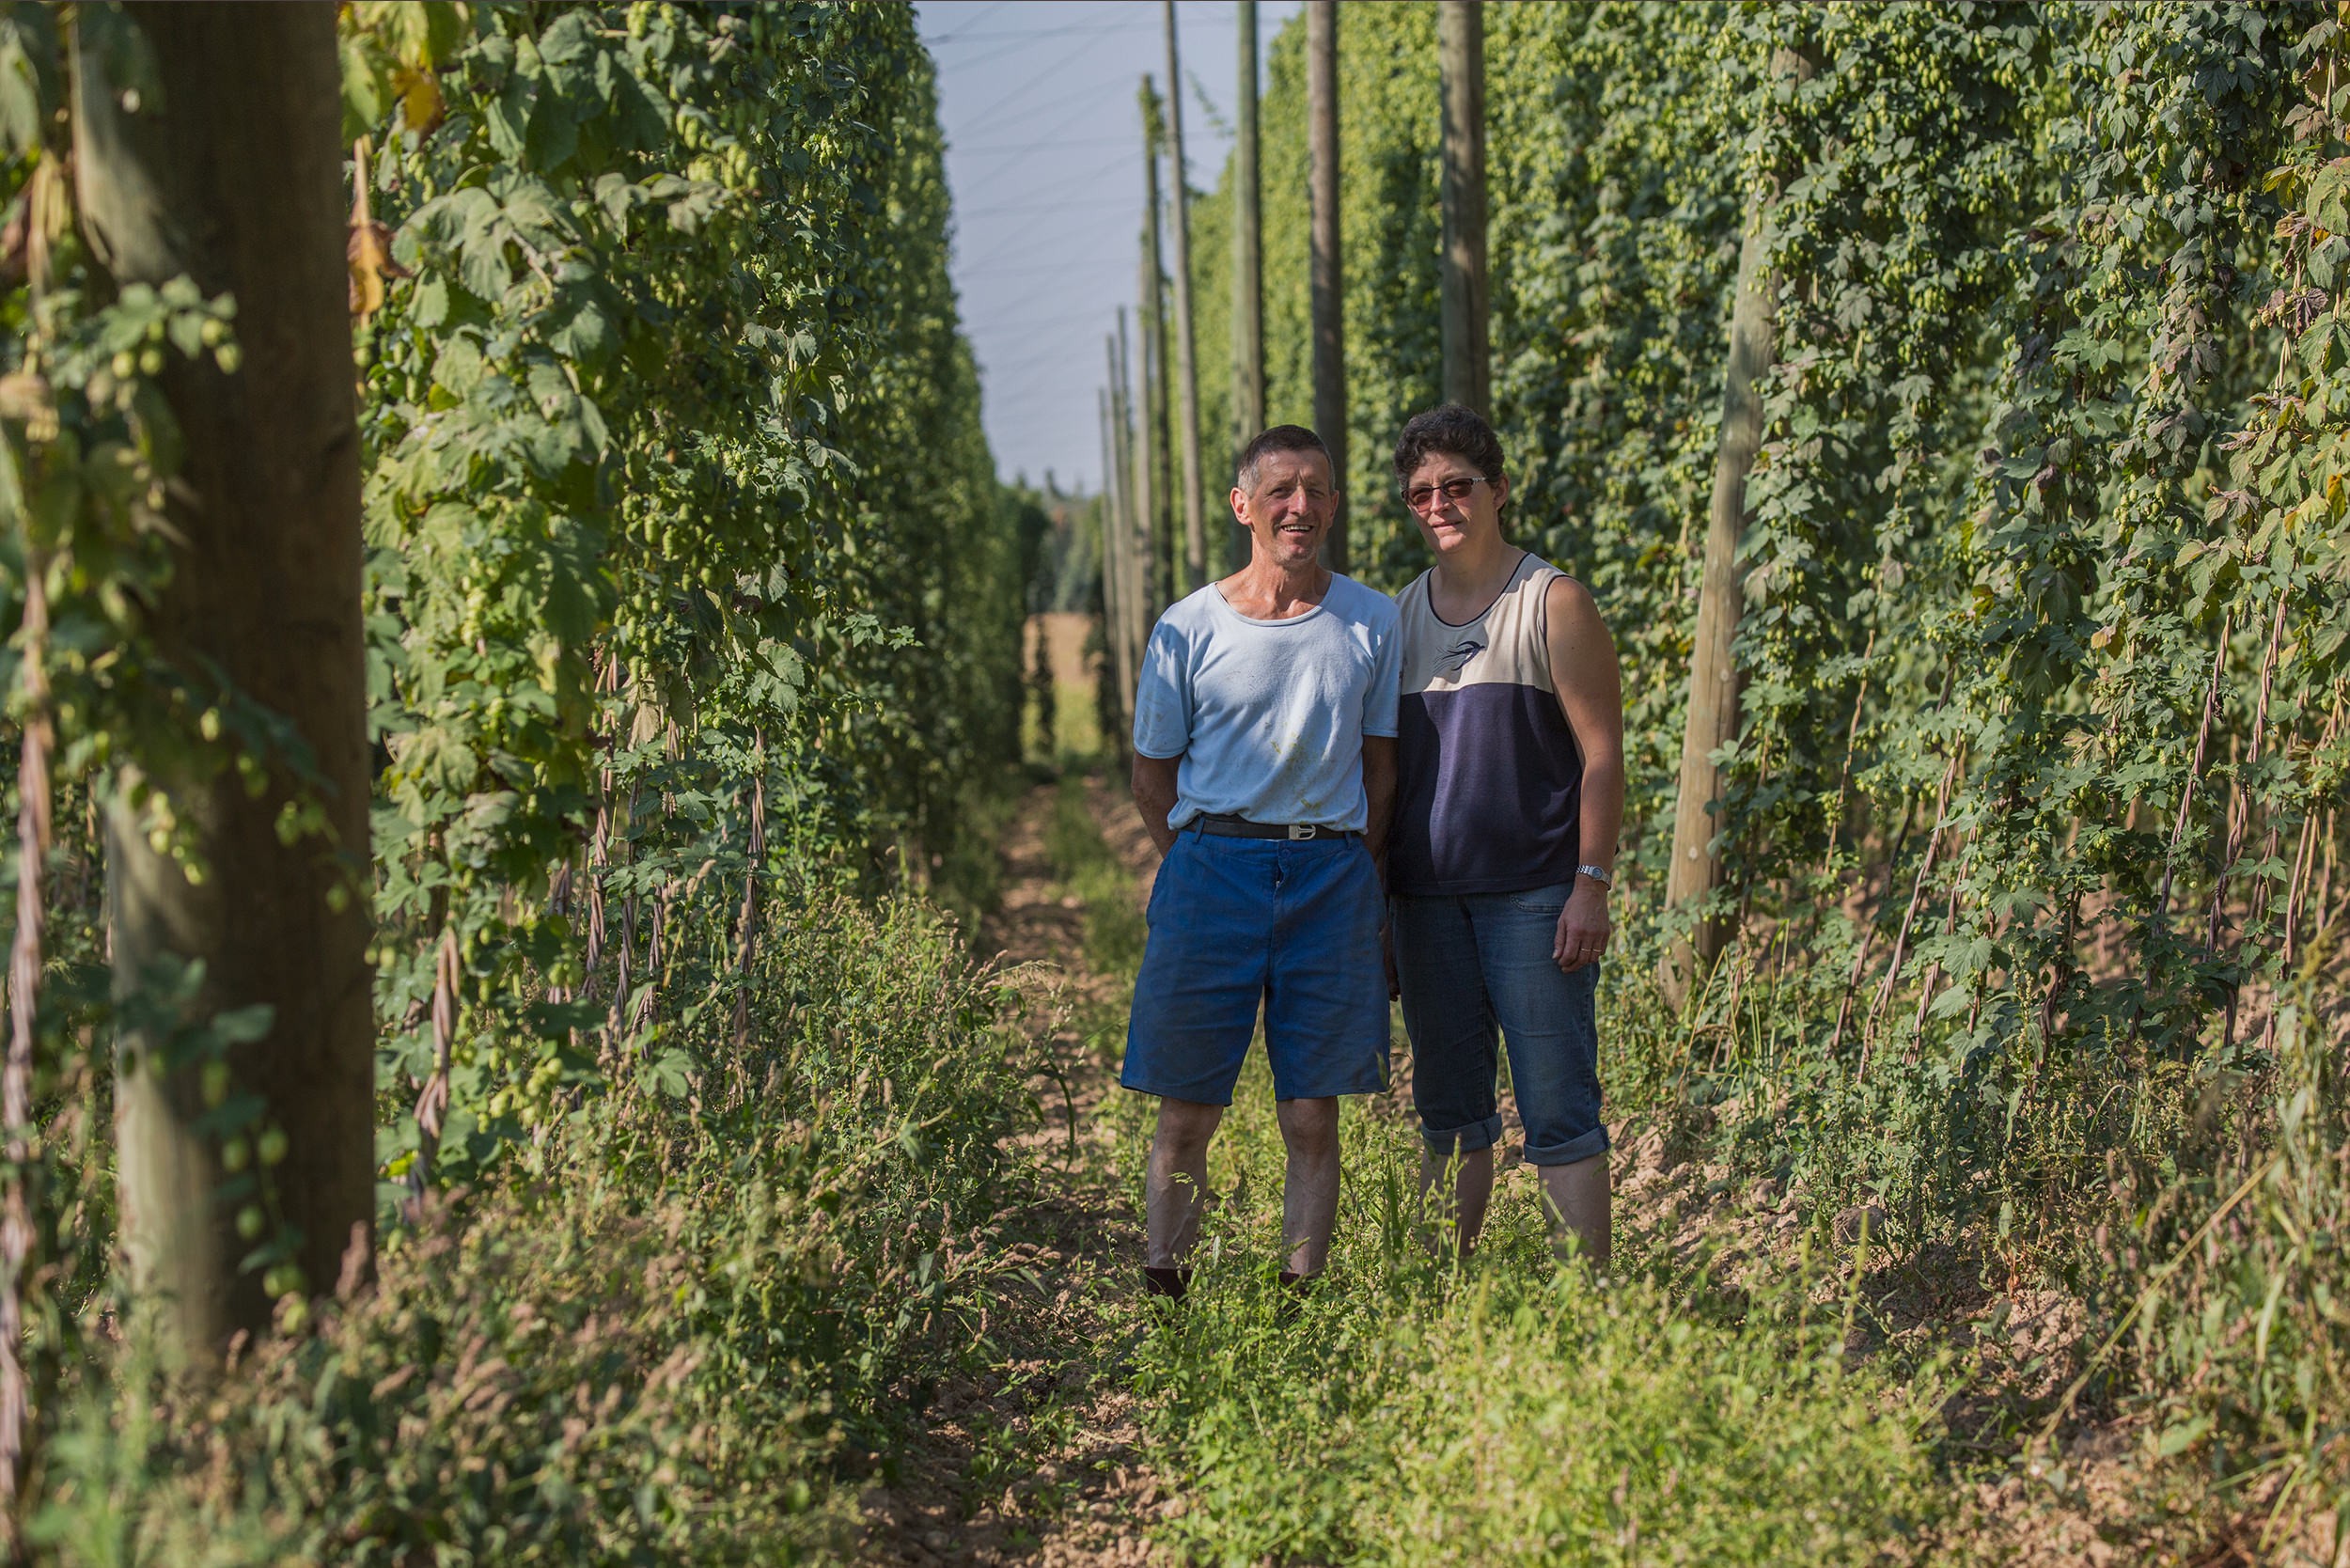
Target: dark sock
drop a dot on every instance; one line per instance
(1168, 1282)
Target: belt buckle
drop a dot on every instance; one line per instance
(1301, 830)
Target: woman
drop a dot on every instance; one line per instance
(1510, 793)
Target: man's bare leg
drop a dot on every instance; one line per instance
(1578, 1197)
(1472, 1192)
(1175, 1185)
(1310, 1192)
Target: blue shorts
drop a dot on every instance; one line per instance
(1236, 923)
(1477, 964)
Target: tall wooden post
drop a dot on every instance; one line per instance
(1327, 272)
(243, 192)
(1158, 516)
(1113, 552)
(1186, 373)
(1247, 254)
(1696, 868)
(1134, 552)
(1461, 67)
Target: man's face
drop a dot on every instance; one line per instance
(1291, 508)
(1446, 522)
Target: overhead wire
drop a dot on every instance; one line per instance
(977, 201)
(965, 31)
(1039, 367)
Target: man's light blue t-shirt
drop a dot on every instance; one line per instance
(1269, 715)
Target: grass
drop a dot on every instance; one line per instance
(693, 1326)
(1515, 1412)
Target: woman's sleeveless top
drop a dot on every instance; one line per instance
(1489, 786)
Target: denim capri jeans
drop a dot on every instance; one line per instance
(1479, 966)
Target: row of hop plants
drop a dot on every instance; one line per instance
(2033, 825)
(682, 677)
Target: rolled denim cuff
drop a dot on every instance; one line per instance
(1464, 1140)
(1573, 1152)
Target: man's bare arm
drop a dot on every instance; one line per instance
(1591, 693)
(1379, 791)
(1154, 796)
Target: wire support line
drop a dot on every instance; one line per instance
(967, 201)
(1039, 270)
(1069, 386)
(1040, 74)
(1031, 208)
(1043, 74)
(1045, 356)
(1052, 140)
(965, 30)
(1056, 311)
(1034, 35)
(1194, 11)
(1033, 243)
(974, 205)
(1056, 256)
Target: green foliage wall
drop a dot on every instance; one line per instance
(1614, 243)
(2041, 643)
(682, 516)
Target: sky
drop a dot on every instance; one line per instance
(1044, 159)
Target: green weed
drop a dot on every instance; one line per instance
(671, 1343)
(1518, 1412)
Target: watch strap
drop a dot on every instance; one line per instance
(1596, 874)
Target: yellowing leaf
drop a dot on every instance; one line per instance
(420, 103)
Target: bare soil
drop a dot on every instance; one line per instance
(1037, 1458)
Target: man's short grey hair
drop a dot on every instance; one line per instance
(1280, 438)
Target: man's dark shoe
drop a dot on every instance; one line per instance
(1296, 1288)
(1169, 1283)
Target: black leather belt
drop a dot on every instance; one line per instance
(1240, 827)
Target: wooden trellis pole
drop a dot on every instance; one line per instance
(1461, 73)
(1150, 291)
(1247, 250)
(1133, 587)
(1712, 723)
(1327, 272)
(1186, 372)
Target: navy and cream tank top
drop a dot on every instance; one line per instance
(1489, 779)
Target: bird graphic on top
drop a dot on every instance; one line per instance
(1456, 658)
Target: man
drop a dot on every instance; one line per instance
(1510, 795)
(1265, 771)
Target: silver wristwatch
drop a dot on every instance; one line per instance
(1596, 874)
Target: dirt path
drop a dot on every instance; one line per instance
(1037, 1459)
